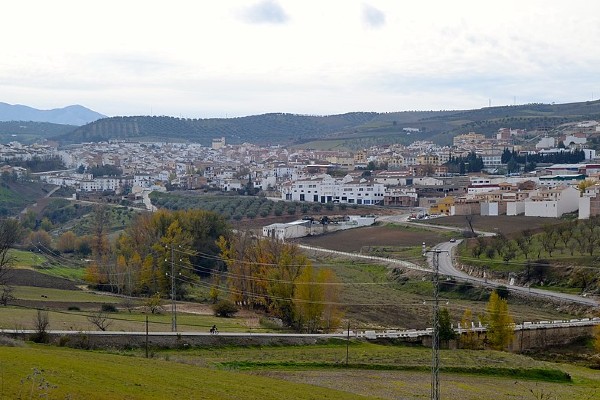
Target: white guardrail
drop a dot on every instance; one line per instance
(413, 333)
(366, 334)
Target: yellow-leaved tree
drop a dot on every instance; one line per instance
(278, 278)
(316, 300)
(309, 299)
(499, 322)
(468, 338)
(597, 338)
(332, 311)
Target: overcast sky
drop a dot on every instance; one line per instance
(218, 58)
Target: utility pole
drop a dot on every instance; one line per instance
(173, 303)
(435, 336)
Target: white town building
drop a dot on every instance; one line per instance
(330, 190)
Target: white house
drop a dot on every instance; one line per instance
(552, 203)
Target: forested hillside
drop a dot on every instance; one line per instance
(261, 129)
(365, 128)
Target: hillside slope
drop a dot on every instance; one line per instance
(279, 128)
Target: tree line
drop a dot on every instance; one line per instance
(188, 247)
(470, 163)
(514, 159)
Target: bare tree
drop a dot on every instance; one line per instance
(549, 240)
(591, 232)
(524, 246)
(100, 319)
(41, 322)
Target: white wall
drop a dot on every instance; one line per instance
(490, 209)
(584, 207)
(515, 208)
(547, 209)
(568, 201)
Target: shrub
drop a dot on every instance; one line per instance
(63, 341)
(225, 308)
(108, 308)
(9, 342)
(503, 292)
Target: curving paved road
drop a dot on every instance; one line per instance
(446, 267)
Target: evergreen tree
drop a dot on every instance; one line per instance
(506, 156)
(446, 330)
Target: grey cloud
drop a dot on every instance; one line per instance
(265, 12)
(372, 17)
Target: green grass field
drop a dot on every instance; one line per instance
(23, 318)
(59, 373)
(297, 372)
(52, 295)
(39, 262)
(83, 304)
(24, 258)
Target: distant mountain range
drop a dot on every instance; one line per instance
(70, 115)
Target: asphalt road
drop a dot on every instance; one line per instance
(444, 252)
